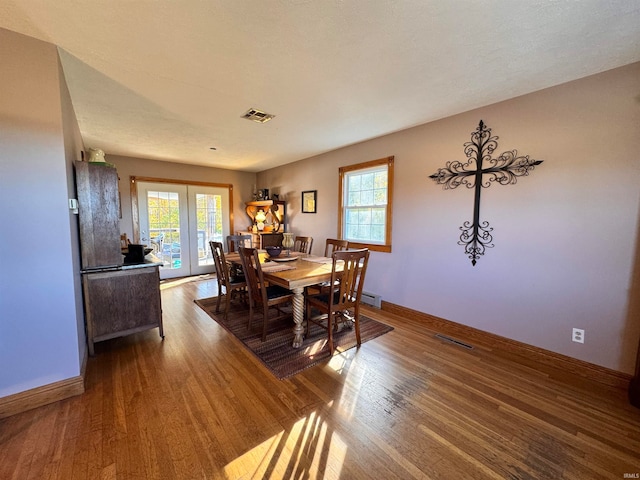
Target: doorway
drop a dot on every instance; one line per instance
(177, 220)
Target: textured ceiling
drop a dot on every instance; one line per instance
(168, 79)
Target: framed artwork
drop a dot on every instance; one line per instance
(309, 201)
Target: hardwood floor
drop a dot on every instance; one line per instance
(405, 405)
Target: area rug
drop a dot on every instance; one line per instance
(276, 353)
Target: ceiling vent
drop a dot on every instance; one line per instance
(257, 116)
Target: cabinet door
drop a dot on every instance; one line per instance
(99, 215)
(121, 302)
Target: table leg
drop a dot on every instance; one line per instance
(298, 316)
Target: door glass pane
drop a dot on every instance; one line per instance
(164, 227)
(178, 221)
(209, 228)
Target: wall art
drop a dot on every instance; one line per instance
(309, 201)
(480, 171)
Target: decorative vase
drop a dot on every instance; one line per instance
(287, 242)
(96, 155)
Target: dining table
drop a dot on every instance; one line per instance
(294, 274)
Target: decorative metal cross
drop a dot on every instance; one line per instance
(504, 170)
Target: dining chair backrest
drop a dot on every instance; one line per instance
(222, 271)
(253, 274)
(228, 286)
(303, 244)
(261, 295)
(235, 242)
(348, 280)
(334, 245)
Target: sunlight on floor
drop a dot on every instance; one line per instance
(308, 450)
(170, 283)
(341, 364)
(314, 348)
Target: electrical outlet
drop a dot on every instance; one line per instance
(577, 335)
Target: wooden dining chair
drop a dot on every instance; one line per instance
(230, 286)
(334, 245)
(303, 244)
(331, 245)
(341, 303)
(261, 295)
(235, 242)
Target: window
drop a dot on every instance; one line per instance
(365, 204)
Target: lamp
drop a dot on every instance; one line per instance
(260, 218)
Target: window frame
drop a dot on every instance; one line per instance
(378, 247)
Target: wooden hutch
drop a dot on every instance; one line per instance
(273, 224)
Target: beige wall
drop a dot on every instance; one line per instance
(41, 324)
(73, 147)
(565, 237)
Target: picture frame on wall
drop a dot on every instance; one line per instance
(309, 198)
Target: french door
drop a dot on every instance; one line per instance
(178, 221)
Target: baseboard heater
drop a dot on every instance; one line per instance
(371, 299)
